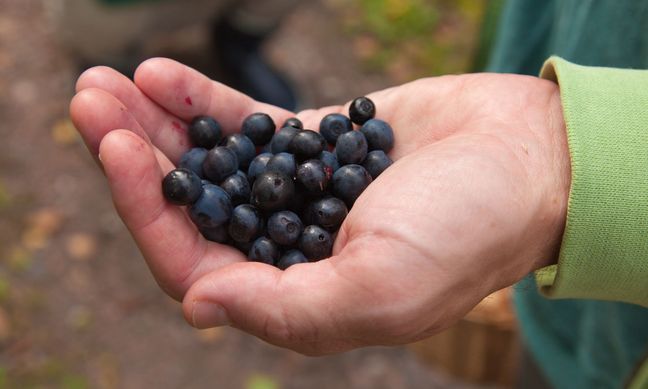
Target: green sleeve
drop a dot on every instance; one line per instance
(604, 252)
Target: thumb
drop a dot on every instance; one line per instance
(314, 308)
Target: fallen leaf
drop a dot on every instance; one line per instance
(81, 246)
(210, 335)
(19, 258)
(261, 381)
(64, 132)
(40, 227)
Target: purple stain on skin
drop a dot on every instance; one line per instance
(188, 100)
(178, 127)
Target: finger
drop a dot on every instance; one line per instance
(95, 112)
(316, 308)
(166, 131)
(186, 93)
(170, 243)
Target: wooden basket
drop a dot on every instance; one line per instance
(482, 348)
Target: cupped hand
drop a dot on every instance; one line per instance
(475, 200)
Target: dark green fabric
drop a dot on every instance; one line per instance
(577, 343)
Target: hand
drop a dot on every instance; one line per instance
(476, 199)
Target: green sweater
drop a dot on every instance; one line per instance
(593, 333)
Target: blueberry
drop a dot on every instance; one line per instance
(376, 162)
(259, 127)
(316, 243)
(272, 191)
(213, 208)
(193, 160)
(314, 176)
(334, 125)
(181, 187)
(237, 187)
(282, 138)
(282, 162)
(215, 234)
(291, 257)
(245, 224)
(351, 147)
(257, 166)
(293, 122)
(361, 110)
(264, 250)
(284, 227)
(306, 144)
(349, 182)
(329, 213)
(379, 134)
(205, 131)
(243, 147)
(220, 163)
(330, 160)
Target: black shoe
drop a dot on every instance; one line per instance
(245, 69)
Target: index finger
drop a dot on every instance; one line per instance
(186, 93)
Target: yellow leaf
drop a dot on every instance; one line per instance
(64, 132)
(81, 246)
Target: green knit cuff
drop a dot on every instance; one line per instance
(604, 252)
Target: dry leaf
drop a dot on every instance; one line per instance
(19, 258)
(40, 227)
(64, 132)
(81, 246)
(210, 335)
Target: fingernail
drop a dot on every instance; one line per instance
(205, 315)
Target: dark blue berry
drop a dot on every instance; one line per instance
(213, 208)
(215, 234)
(205, 131)
(243, 147)
(376, 162)
(237, 187)
(264, 250)
(284, 227)
(293, 122)
(282, 162)
(334, 125)
(351, 147)
(379, 134)
(220, 163)
(257, 166)
(272, 191)
(349, 182)
(314, 176)
(361, 110)
(282, 138)
(329, 213)
(291, 257)
(193, 160)
(259, 127)
(181, 187)
(307, 144)
(316, 243)
(245, 224)
(330, 160)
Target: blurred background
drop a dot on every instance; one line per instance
(78, 307)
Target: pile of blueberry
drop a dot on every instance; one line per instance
(284, 205)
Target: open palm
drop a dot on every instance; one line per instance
(475, 200)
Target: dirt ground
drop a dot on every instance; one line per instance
(78, 307)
